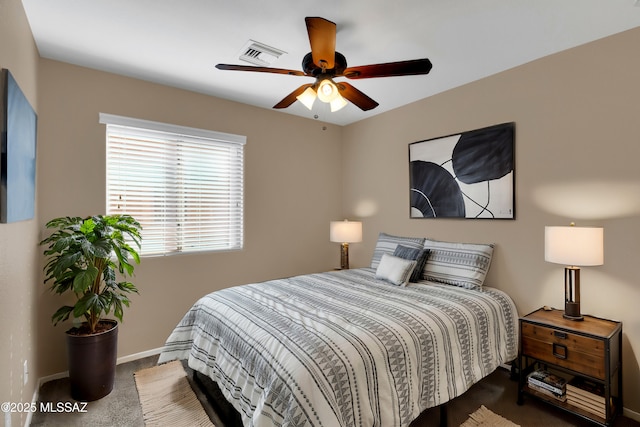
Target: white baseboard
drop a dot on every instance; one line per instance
(141, 355)
(631, 414)
(59, 375)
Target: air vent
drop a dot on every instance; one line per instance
(259, 54)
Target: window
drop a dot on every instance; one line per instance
(184, 185)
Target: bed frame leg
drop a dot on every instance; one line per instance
(443, 415)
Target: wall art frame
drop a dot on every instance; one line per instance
(18, 128)
(465, 175)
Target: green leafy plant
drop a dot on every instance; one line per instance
(83, 256)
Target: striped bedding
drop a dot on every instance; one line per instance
(344, 349)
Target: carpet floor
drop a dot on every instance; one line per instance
(122, 407)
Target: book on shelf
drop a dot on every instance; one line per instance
(552, 382)
(598, 409)
(588, 389)
(549, 393)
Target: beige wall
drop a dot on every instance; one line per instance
(577, 151)
(292, 185)
(19, 265)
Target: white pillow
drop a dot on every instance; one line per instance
(395, 270)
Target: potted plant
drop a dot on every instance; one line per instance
(84, 257)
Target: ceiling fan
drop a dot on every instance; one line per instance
(324, 64)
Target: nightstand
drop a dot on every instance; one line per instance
(588, 351)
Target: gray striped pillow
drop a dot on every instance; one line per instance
(387, 244)
(458, 264)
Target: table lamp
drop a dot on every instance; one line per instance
(345, 232)
(574, 247)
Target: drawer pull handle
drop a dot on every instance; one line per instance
(561, 335)
(560, 351)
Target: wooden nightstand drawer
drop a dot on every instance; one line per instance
(566, 349)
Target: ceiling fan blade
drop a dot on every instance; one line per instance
(356, 97)
(259, 69)
(322, 38)
(291, 98)
(389, 69)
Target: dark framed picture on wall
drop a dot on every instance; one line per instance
(18, 123)
(465, 175)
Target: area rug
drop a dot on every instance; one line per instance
(483, 417)
(167, 399)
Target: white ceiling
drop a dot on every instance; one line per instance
(178, 42)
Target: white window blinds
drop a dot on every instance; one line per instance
(185, 186)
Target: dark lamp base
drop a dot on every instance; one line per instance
(566, 316)
(344, 256)
(572, 311)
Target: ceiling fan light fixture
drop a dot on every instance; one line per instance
(338, 103)
(327, 91)
(307, 97)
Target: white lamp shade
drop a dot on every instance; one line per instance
(307, 97)
(338, 103)
(327, 91)
(574, 246)
(345, 231)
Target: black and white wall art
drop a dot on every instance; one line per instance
(466, 175)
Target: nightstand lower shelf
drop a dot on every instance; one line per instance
(568, 407)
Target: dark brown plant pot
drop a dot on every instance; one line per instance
(92, 361)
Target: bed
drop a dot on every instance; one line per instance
(349, 347)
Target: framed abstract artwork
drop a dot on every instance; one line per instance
(465, 175)
(18, 122)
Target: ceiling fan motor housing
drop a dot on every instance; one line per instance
(312, 69)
